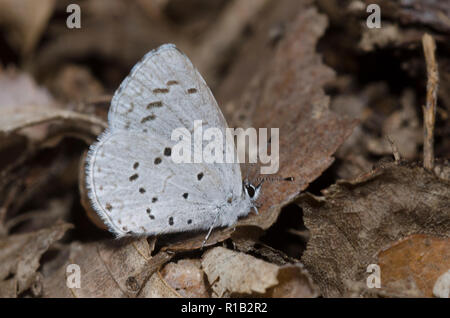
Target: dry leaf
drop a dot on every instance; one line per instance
(108, 269)
(20, 255)
(186, 277)
(289, 96)
(356, 219)
(421, 258)
(156, 287)
(11, 120)
(233, 273)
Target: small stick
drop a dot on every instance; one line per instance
(429, 110)
(394, 148)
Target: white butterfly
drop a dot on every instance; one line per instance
(133, 184)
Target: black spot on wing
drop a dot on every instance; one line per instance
(147, 118)
(154, 104)
(160, 90)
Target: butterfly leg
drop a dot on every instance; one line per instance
(210, 229)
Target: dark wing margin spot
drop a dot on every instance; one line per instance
(200, 176)
(185, 195)
(134, 177)
(160, 90)
(172, 82)
(142, 190)
(171, 221)
(189, 221)
(135, 165)
(157, 161)
(147, 118)
(192, 90)
(154, 104)
(108, 207)
(167, 152)
(154, 199)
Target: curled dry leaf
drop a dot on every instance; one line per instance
(108, 269)
(24, 105)
(233, 273)
(356, 219)
(289, 95)
(20, 255)
(11, 120)
(420, 258)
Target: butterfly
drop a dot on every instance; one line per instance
(133, 183)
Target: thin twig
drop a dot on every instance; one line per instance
(429, 110)
(395, 151)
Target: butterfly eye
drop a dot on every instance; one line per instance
(250, 189)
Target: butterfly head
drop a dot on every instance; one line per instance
(252, 191)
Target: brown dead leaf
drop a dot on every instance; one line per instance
(356, 219)
(288, 95)
(24, 106)
(108, 269)
(11, 120)
(156, 287)
(421, 258)
(20, 255)
(186, 277)
(233, 273)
